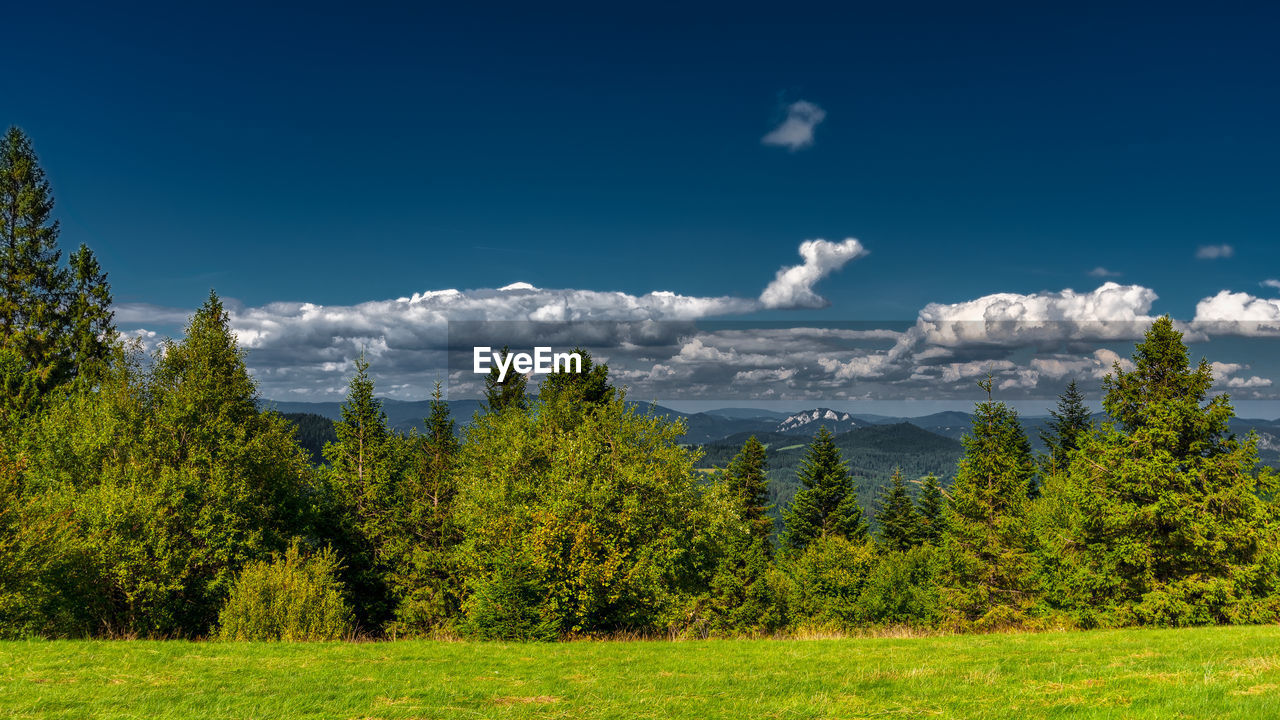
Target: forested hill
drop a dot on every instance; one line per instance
(872, 453)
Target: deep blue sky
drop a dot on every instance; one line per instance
(343, 154)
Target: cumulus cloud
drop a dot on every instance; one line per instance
(1271, 283)
(793, 286)
(796, 131)
(1214, 252)
(1101, 272)
(1238, 313)
(995, 326)
(1110, 312)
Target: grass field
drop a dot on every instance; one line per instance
(1200, 673)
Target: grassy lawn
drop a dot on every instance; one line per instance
(1200, 673)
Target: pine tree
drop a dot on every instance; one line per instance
(507, 393)
(898, 520)
(933, 507)
(826, 504)
(749, 485)
(989, 578)
(1070, 420)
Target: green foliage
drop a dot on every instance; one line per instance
(743, 593)
(364, 467)
(902, 588)
(1071, 419)
(588, 388)
(55, 322)
(292, 597)
(171, 480)
(899, 523)
(1161, 518)
(749, 486)
(932, 514)
(827, 504)
(510, 603)
(989, 577)
(510, 392)
(603, 514)
(427, 581)
(313, 432)
(826, 579)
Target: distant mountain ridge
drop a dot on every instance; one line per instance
(712, 426)
(809, 421)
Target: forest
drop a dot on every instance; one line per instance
(154, 496)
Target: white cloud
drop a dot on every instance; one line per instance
(1110, 312)
(1251, 382)
(1271, 283)
(1238, 313)
(1101, 272)
(796, 131)
(1214, 252)
(1002, 322)
(792, 287)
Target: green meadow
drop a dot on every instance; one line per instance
(1195, 673)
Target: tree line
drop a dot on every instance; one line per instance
(153, 496)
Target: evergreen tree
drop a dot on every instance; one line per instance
(588, 388)
(1070, 420)
(827, 503)
(32, 284)
(510, 392)
(91, 331)
(990, 572)
(1167, 523)
(426, 578)
(933, 507)
(741, 595)
(749, 486)
(898, 520)
(362, 473)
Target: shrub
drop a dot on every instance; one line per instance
(902, 589)
(293, 597)
(826, 580)
(509, 604)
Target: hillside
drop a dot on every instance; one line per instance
(872, 452)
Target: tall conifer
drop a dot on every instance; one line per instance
(827, 503)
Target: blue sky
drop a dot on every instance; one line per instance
(336, 155)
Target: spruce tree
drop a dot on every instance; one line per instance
(33, 286)
(933, 507)
(586, 389)
(1070, 420)
(826, 504)
(1168, 522)
(749, 486)
(362, 474)
(990, 573)
(426, 578)
(509, 392)
(741, 597)
(898, 520)
(89, 316)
